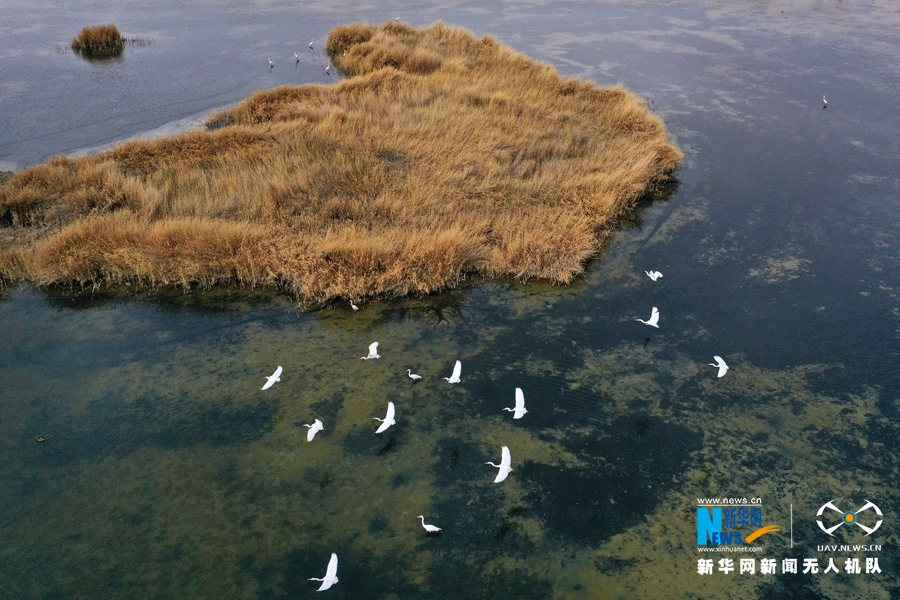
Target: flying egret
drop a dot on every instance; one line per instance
(271, 64)
(428, 528)
(723, 368)
(503, 466)
(520, 409)
(654, 275)
(271, 379)
(373, 352)
(330, 575)
(315, 428)
(454, 378)
(388, 419)
(412, 375)
(653, 320)
(824, 101)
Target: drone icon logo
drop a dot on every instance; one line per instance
(849, 518)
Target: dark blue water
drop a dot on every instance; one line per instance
(165, 472)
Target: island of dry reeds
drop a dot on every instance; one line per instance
(99, 40)
(438, 154)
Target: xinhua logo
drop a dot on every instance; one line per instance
(850, 517)
(730, 525)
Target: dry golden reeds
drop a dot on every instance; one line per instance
(438, 155)
(99, 40)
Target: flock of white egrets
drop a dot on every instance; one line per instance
(653, 321)
(519, 411)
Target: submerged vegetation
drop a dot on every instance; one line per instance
(99, 40)
(439, 154)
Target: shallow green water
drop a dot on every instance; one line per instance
(165, 472)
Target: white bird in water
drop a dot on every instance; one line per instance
(654, 275)
(520, 409)
(723, 368)
(412, 375)
(271, 379)
(824, 101)
(271, 64)
(315, 428)
(296, 58)
(457, 370)
(428, 528)
(388, 419)
(653, 321)
(328, 70)
(503, 466)
(373, 352)
(330, 575)
(311, 44)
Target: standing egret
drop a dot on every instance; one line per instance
(412, 375)
(428, 528)
(520, 409)
(271, 64)
(723, 368)
(457, 370)
(271, 379)
(373, 352)
(654, 275)
(388, 419)
(353, 306)
(315, 428)
(825, 102)
(503, 466)
(330, 574)
(328, 70)
(653, 320)
(297, 59)
(311, 44)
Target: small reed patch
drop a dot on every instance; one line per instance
(439, 154)
(99, 40)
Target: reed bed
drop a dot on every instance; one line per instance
(438, 155)
(99, 40)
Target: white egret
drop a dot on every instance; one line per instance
(328, 70)
(330, 575)
(457, 370)
(653, 320)
(271, 64)
(654, 275)
(297, 59)
(271, 379)
(311, 44)
(388, 419)
(723, 368)
(824, 101)
(428, 528)
(412, 375)
(353, 306)
(503, 466)
(373, 352)
(315, 428)
(520, 409)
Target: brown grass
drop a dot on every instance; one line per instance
(439, 154)
(99, 40)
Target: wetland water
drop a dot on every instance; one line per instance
(166, 472)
